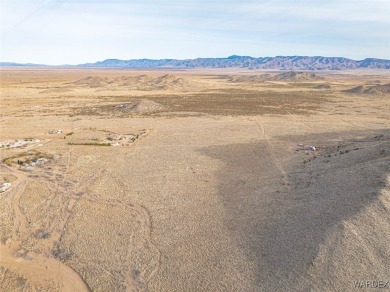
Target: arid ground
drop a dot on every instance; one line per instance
(193, 180)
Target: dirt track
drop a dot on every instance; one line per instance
(216, 194)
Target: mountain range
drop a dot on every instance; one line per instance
(247, 62)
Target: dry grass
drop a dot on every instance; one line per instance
(215, 195)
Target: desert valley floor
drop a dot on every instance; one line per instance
(193, 180)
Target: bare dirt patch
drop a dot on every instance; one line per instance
(221, 181)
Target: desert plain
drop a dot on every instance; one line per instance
(193, 180)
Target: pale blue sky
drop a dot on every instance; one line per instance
(80, 31)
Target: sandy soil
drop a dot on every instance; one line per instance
(193, 180)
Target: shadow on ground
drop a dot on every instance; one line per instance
(280, 225)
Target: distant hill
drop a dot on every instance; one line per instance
(296, 76)
(13, 64)
(374, 90)
(245, 62)
(323, 86)
(277, 63)
(285, 76)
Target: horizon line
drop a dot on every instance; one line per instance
(16, 63)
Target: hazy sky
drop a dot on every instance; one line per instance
(80, 31)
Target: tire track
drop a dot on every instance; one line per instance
(271, 152)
